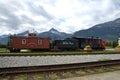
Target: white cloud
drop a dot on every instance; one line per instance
(64, 15)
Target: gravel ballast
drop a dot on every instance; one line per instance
(18, 61)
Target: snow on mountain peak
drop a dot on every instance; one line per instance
(54, 31)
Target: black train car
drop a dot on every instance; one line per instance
(66, 45)
(95, 43)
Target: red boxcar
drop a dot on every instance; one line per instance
(103, 44)
(31, 42)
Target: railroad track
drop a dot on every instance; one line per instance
(51, 68)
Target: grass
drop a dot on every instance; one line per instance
(54, 77)
(90, 71)
(21, 77)
(5, 51)
(116, 67)
(68, 75)
(2, 50)
(4, 77)
(81, 72)
(39, 77)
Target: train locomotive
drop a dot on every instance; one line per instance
(68, 44)
(32, 42)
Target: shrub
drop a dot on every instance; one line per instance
(88, 46)
(118, 47)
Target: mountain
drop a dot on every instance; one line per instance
(3, 39)
(54, 34)
(25, 33)
(108, 31)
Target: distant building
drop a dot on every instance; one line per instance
(119, 41)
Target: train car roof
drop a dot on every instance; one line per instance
(16, 36)
(77, 37)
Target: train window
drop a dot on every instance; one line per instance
(23, 41)
(71, 43)
(39, 41)
(65, 42)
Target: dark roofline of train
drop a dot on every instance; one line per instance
(78, 37)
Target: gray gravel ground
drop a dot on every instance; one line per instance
(103, 76)
(17, 61)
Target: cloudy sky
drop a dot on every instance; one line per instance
(64, 15)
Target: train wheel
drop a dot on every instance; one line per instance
(14, 50)
(11, 50)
